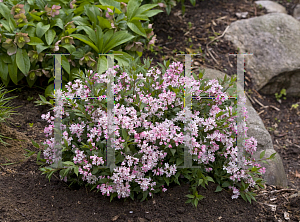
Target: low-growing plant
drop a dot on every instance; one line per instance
(150, 134)
(278, 97)
(6, 110)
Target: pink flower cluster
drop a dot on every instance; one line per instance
(166, 133)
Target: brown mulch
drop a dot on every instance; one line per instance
(26, 195)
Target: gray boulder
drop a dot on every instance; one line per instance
(273, 39)
(275, 174)
(271, 6)
(296, 12)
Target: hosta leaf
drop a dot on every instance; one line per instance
(23, 61)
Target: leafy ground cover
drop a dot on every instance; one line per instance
(26, 195)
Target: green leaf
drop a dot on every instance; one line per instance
(59, 23)
(90, 32)
(173, 151)
(219, 188)
(35, 17)
(40, 48)
(262, 154)
(272, 156)
(152, 13)
(65, 64)
(12, 24)
(13, 70)
(41, 29)
(92, 12)
(193, 2)
(23, 61)
(136, 27)
(35, 41)
(5, 25)
(4, 10)
(208, 178)
(3, 69)
(102, 64)
(49, 90)
(49, 36)
(110, 3)
(69, 47)
(132, 7)
(78, 20)
(117, 39)
(226, 184)
(35, 144)
(118, 11)
(86, 40)
(190, 196)
(104, 23)
(124, 59)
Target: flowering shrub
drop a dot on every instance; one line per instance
(149, 144)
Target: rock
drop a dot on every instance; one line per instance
(275, 174)
(296, 12)
(272, 39)
(271, 6)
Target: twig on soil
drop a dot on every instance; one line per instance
(260, 103)
(249, 97)
(258, 94)
(293, 144)
(2, 168)
(261, 112)
(214, 40)
(21, 213)
(283, 190)
(274, 107)
(229, 62)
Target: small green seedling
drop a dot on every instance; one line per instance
(190, 25)
(29, 98)
(30, 124)
(282, 92)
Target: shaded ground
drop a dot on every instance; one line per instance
(26, 195)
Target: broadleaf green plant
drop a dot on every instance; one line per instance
(31, 29)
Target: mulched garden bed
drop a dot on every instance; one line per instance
(26, 195)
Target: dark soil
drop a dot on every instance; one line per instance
(26, 195)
